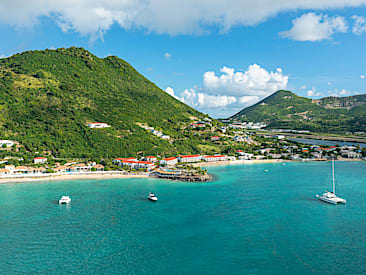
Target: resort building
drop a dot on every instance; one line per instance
(150, 158)
(98, 125)
(117, 161)
(137, 164)
(215, 158)
(99, 167)
(39, 160)
(189, 158)
(245, 156)
(169, 161)
(4, 172)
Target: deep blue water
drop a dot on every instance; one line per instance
(245, 222)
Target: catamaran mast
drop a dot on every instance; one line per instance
(333, 175)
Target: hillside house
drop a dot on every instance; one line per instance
(98, 125)
(39, 160)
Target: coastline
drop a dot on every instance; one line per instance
(73, 176)
(124, 175)
(262, 161)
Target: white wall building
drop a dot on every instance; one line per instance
(215, 158)
(39, 160)
(169, 161)
(190, 158)
(8, 143)
(98, 125)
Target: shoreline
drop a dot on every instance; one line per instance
(263, 161)
(74, 176)
(124, 175)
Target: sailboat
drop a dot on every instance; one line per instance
(330, 197)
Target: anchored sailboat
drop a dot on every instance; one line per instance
(330, 197)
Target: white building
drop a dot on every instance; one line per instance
(8, 143)
(246, 156)
(190, 158)
(150, 158)
(169, 161)
(165, 137)
(98, 125)
(39, 160)
(138, 164)
(215, 158)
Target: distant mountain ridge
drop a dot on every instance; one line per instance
(284, 109)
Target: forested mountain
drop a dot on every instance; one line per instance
(286, 110)
(48, 97)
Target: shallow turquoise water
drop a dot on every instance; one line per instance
(245, 222)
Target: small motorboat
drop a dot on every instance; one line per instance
(265, 170)
(64, 200)
(152, 197)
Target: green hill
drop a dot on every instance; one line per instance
(286, 110)
(48, 97)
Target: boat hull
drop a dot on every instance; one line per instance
(331, 201)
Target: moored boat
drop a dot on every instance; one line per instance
(64, 200)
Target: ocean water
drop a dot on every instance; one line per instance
(246, 221)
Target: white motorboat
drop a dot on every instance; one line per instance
(330, 197)
(64, 200)
(152, 197)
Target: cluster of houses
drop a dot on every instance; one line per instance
(155, 132)
(249, 125)
(58, 168)
(150, 162)
(206, 122)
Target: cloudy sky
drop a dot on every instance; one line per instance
(214, 56)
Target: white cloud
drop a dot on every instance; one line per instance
(312, 92)
(170, 91)
(313, 27)
(2, 56)
(231, 91)
(254, 81)
(359, 24)
(342, 92)
(167, 55)
(362, 76)
(198, 99)
(95, 17)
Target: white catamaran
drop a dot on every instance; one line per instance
(330, 197)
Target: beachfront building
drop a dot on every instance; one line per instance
(189, 158)
(61, 169)
(137, 164)
(98, 125)
(99, 167)
(39, 160)
(20, 170)
(169, 161)
(244, 156)
(117, 161)
(4, 172)
(150, 158)
(215, 158)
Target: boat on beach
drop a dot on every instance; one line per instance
(330, 197)
(64, 200)
(152, 197)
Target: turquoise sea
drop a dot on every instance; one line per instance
(246, 221)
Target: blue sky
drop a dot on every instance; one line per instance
(216, 59)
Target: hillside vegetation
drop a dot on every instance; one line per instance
(286, 110)
(48, 97)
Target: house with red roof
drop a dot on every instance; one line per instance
(189, 158)
(169, 161)
(39, 160)
(215, 158)
(150, 158)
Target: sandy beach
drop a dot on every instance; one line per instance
(73, 176)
